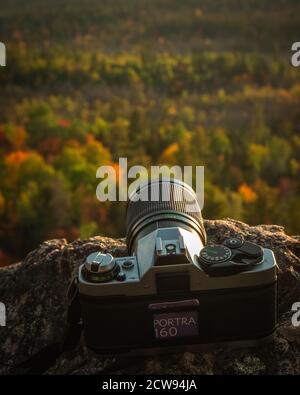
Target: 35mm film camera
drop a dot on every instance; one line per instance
(173, 290)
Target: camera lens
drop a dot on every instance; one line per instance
(162, 204)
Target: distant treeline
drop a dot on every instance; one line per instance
(160, 82)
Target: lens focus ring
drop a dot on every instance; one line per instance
(163, 196)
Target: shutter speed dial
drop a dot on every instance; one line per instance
(232, 257)
(215, 253)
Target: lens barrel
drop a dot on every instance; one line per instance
(162, 204)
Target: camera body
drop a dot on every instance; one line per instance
(175, 292)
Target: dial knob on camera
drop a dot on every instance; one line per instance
(212, 254)
(100, 268)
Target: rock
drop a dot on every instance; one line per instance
(34, 292)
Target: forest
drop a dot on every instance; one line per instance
(170, 82)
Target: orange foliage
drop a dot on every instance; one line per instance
(169, 154)
(172, 110)
(64, 123)
(247, 193)
(117, 171)
(16, 157)
(90, 139)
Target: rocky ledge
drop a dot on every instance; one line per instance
(34, 292)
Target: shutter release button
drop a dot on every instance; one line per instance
(121, 277)
(234, 242)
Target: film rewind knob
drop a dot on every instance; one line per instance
(100, 268)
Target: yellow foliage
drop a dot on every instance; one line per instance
(172, 110)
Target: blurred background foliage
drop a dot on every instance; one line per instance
(160, 82)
